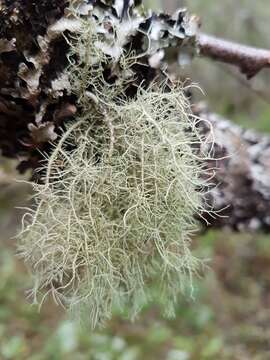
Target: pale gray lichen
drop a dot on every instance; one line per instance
(116, 209)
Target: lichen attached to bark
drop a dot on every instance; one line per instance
(116, 209)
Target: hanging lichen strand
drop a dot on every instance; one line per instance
(116, 208)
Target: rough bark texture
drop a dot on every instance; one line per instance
(242, 176)
(35, 96)
(29, 61)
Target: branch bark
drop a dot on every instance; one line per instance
(250, 60)
(242, 177)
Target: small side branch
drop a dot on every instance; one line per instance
(250, 60)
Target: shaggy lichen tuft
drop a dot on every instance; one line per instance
(116, 208)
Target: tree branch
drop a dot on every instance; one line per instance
(250, 60)
(36, 101)
(242, 174)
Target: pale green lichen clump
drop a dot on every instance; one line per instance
(116, 209)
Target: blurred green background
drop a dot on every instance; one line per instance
(228, 316)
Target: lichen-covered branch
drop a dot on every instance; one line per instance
(35, 92)
(250, 60)
(36, 99)
(242, 178)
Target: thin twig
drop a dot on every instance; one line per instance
(250, 60)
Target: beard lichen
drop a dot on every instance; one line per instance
(116, 208)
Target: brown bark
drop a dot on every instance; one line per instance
(250, 60)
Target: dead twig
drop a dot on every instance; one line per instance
(250, 60)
